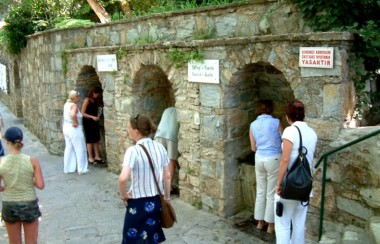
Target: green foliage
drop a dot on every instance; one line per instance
(66, 23)
(361, 17)
(142, 7)
(197, 203)
(64, 61)
(204, 34)
(146, 39)
(121, 53)
(180, 57)
(21, 23)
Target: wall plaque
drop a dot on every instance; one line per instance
(206, 71)
(316, 57)
(106, 62)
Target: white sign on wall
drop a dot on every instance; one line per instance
(3, 78)
(106, 62)
(316, 57)
(206, 71)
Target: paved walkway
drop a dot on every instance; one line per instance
(86, 208)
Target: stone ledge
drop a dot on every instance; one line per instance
(324, 37)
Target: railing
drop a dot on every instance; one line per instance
(324, 158)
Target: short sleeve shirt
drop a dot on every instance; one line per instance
(142, 181)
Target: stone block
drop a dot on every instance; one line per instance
(354, 208)
(210, 95)
(371, 196)
(214, 128)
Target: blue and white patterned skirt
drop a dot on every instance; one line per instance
(142, 223)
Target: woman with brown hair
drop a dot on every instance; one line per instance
(142, 223)
(265, 140)
(91, 110)
(290, 227)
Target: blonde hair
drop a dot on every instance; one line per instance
(72, 95)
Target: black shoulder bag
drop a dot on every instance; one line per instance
(298, 181)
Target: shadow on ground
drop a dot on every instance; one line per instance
(248, 226)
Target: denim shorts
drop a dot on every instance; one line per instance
(20, 211)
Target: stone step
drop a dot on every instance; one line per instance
(348, 235)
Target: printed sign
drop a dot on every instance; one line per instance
(3, 78)
(316, 57)
(206, 71)
(107, 62)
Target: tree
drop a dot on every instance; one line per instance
(99, 10)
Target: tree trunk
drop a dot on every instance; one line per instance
(126, 7)
(99, 11)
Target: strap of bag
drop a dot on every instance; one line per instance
(300, 148)
(151, 167)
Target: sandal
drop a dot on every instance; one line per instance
(93, 162)
(99, 161)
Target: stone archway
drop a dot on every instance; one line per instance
(86, 79)
(152, 92)
(255, 81)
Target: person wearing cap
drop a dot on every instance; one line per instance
(75, 156)
(20, 174)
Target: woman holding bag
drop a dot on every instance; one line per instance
(142, 221)
(294, 212)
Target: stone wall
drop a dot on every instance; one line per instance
(258, 58)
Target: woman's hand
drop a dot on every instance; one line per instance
(75, 125)
(125, 197)
(278, 189)
(95, 118)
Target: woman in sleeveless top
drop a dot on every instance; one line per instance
(75, 156)
(91, 110)
(20, 174)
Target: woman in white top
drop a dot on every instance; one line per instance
(290, 227)
(142, 223)
(75, 156)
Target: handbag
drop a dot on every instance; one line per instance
(298, 181)
(168, 216)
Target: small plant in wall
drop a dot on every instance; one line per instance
(203, 34)
(180, 57)
(121, 53)
(64, 62)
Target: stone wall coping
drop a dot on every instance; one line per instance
(324, 37)
(231, 7)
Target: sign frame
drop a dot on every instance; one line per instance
(106, 63)
(206, 71)
(316, 57)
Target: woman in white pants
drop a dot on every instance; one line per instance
(265, 137)
(290, 227)
(75, 156)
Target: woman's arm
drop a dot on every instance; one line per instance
(84, 108)
(286, 149)
(253, 142)
(73, 115)
(123, 179)
(167, 183)
(39, 181)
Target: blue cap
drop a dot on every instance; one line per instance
(13, 134)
